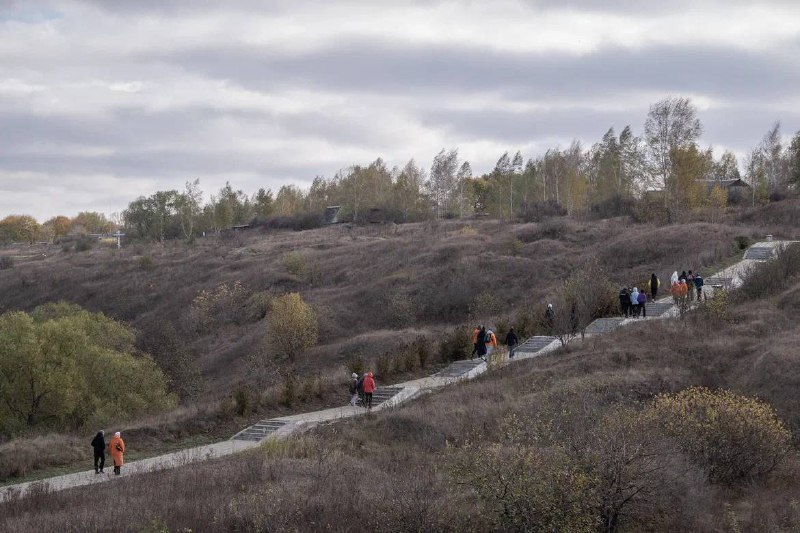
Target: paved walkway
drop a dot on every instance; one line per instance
(386, 397)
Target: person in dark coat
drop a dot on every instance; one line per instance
(549, 318)
(698, 284)
(511, 341)
(654, 284)
(482, 343)
(99, 446)
(624, 301)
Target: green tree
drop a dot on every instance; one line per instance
(793, 159)
(91, 222)
(291, 327)
(263, 202)
(727, 168)
(62, 366)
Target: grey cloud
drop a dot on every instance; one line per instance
(361, 66)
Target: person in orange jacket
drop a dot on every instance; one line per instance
(491, 342)
(475, 341)
(117, 450)
(369, 388)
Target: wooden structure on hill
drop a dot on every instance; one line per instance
(331, 215)
(737, 189)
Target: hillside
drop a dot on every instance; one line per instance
(568, 420)
(376, 291)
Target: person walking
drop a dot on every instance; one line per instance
(99, 446)
(369, 388)
(642, 304)
(491, 342)
(690, 284)
(549, 319)
(117, 449)
(635, 303)
(654, 284)
(698, 285)
(624, 301)
(353, 389)
(511, 342)
(481, 338)
(475, 340)
(360, 388)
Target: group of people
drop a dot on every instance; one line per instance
(116, 447)
(687, 285)
(633, 301)
(361, 389)
(485, 341)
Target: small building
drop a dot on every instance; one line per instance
(737, 189)
(331, 215)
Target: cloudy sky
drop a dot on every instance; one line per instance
(105, 100)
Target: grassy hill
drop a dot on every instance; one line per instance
(559, 440)
(377, 290)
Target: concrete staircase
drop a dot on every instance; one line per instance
(760, 253)
(534, 344)
(260, 431)
(658, 308)
(383, 394)
(457, 369)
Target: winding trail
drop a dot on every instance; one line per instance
(384, 398)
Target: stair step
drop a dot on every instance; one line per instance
(260, 430)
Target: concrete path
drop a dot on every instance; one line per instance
(388, 397)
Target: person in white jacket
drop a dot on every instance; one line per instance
(635, 302)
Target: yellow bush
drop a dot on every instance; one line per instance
(734, 437)
(291, 326)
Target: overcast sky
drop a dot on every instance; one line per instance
(103, 101)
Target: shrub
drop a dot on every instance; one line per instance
(84, 244)
(295, 263)
(291, 326)
(258, 305)
(145, 262)
(733, 437)
(455, 345)
(742, 241)
(717, 309)
(384, 366)
(243, 400)
(523, 488)
(486, 304)
(538, 211)
(401, 309)
(6, 262)
(222, 305)
(770, 277)
(356, 364)
(289, 388)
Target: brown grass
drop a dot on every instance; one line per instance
(387, 471)
(375, 289)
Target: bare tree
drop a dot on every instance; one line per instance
(464, 174)
(671, 124)
(443, 178)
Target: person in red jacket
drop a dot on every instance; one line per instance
(369, 388)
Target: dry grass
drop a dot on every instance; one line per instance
(376, 289)
(387, 471)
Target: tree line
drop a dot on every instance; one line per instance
(664, 166)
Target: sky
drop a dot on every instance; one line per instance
(104, 101)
